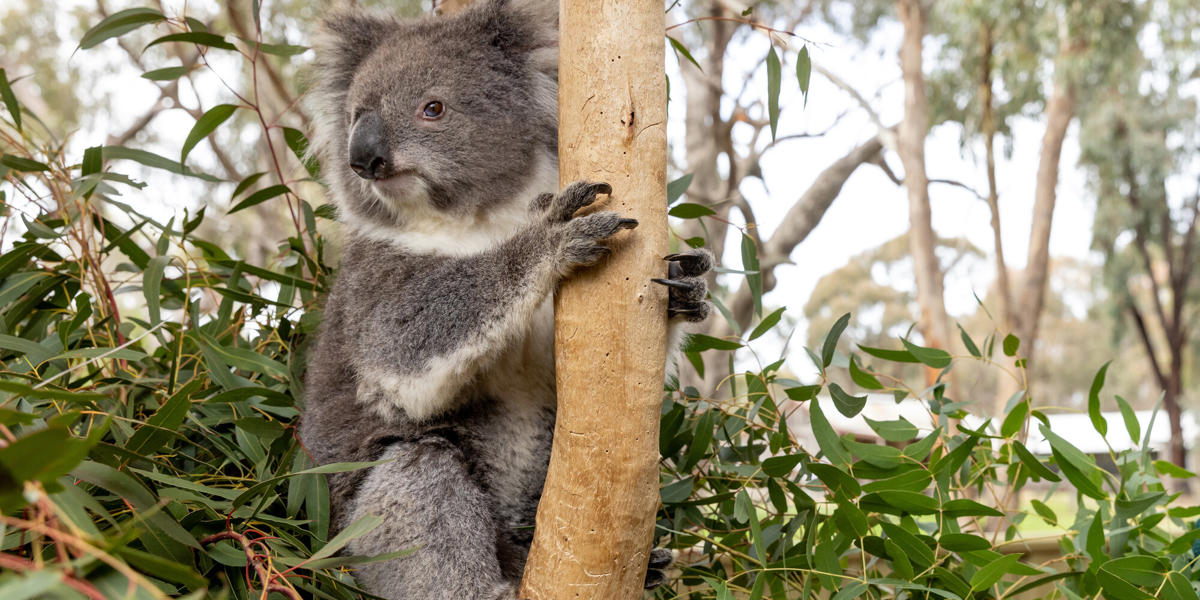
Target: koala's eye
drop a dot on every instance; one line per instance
(434, 110)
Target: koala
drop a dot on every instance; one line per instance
(438, 141)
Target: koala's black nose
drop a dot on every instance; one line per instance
(368, 148)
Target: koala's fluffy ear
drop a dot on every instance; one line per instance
(344, 40)
(530, 27)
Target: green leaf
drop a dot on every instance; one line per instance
(284, 50)
(1032, 463)
(915, 480)
(10, 99)
(900, 502)
(917, 551)
(698, 342)
(355, 530)
(1076, 466)
(1098, 421)
(681, 49)
(159, 429)
(688, 210)
(1172, 470)
(260, 196)
(963, 542)
(675, 189)
(884, 457)
(753, 275)
(828, 441)
(204, 126)
(804, 71)
(846, 404)
(1177, 587)
(1045, 512)
(1011, 344)
(19, 163)
(900, 356)
(836, 479)
(1116, 588)
(129, 489)
(247, 360)
(1131, 421)
(200, 38)
(851, 520)
(933, 357)
(993, 571)
(963, 507)
(862, 378)
(831, 340)
(899, 430)
(32, 584)
(299, 145)
(779, 466)
(118, 24)
(802, 393)
(773, 80)
(966, 339)
(165, 73)
(766, 324)
(93, 160)
(151, 286)
(677, 491)
(1146, 571)
(162, 567)
(152, 160)
(1015, 419)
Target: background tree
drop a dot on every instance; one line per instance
(1140, 143)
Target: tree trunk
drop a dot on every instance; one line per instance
(935, 323)
(1175, 413)
(595, 522)
(1060, 109)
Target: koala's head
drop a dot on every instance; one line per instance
(444, 113)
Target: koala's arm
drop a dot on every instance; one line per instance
(425, 340)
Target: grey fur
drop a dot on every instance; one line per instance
(436, 347)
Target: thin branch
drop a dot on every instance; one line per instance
(887, 134)
(962, 185)
(1146, 343)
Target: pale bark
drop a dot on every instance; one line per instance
(595, 522)
(934, 322)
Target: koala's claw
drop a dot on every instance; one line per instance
(576, 196)
(660, 559)
(686, 285)
(694, 263)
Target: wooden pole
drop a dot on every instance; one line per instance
(596, 518)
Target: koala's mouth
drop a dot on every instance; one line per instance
(401, 185)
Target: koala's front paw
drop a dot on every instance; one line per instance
(686, 284)
(581, 236)
(660, 559)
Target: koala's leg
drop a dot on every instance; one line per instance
(429, 504)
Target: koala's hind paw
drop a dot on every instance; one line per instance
(576, 196)
(656, 575)
(686, 284)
